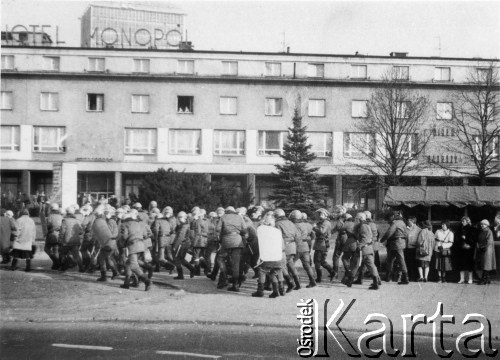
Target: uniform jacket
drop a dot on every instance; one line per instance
(182, 239)
(486, 250)
(231, 228)
(101, 231)
(79, 216)
(396, 235)
(305, 230)
(349, 230)
(364, 237)
(54, 222)
(162, 231)
(199, 231)
(133, 233)
(251, 236)
(143, 216)
(322, 231)
(290, 234)
(114, 228)
(374, 229)
(8, 233)
(211, 234)
(71, 232)
(87, 223)
(173, 224)
(26, 233)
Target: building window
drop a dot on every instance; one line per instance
(141, 66)
(49, 101)
(273, 69)
(401, 72)
(483, 74)
(95, 102)
(10, 138)
(408, 145)
(358, 72)
(7, 62)
(316, 70)
(184, 142)
(230, 68)
(272, 142)
(358, 144)
(229, 142)
(96, 64)
(6, 100)
(444, 110)
(316, 107)
(274, 106)
(402, 110)
(140, 103)
(486, 110)
(492, 149)
(49, 139)
(228, 105)
(52, 63)
(322, 143)
(140, 141)
(185, 104)
(442, 74)
(359, 109)
(185, 66)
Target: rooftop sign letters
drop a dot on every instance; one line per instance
(140, 37)
(30, 34)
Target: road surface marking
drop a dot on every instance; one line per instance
(87, 347)
(188, 354)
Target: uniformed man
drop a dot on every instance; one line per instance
(290, 235)
(322, 231)
(52, 245)
(70, 237)
(105, 232)
(161, 233)
(87, 248)
(303, 250)
(199, 233)
(396, 237)
(181, 246)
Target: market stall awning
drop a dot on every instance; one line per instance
(459, 196)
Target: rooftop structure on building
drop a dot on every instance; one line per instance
(26, 38)
(125, 25)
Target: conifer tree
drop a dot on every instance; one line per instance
(298, 186)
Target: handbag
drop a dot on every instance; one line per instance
(422, 252)
(466, 246)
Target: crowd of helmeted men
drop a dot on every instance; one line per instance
(133, 243)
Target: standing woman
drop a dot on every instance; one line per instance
(486, 252)
(465, 245)
(444, 242)
(425, 246)
(23, 244)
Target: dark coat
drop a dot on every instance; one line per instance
(162, 231)
(396, 235)
(182, 239)
(305, 230)
(486, 251)
(464, 247)
(364, 238)
(54, 222)
(133, 233)
(199, 231)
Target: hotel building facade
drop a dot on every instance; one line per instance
(97, 119)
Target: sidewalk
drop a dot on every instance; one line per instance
(46, 295)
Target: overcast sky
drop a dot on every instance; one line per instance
(463, 28)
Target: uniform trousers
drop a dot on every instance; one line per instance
(71, 252)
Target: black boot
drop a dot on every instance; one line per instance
(312, 282)
(222, 281)
(404, 279)
(290, 283)
(281, 288)
(260, 290)
(349, 280)
(318, 275)
(180, 274)
(13, 266)
(147, 282)
(103, 276)
(374, 285)
(388, 277)
(275, 292)
(28, 265)
(359, 280)
(267, 283)
(297, 282)
(126, 284)
(115, 274)
(134, 282)
(234, 287)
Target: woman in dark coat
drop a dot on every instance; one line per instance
(464, 247)
(485, 252)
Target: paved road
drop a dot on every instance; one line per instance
(122, 340)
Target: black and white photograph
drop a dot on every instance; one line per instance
(268, 179)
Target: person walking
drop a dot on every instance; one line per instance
(105, 232)
(303, 250)
(410, 251)
(290, 235)
(464, 248)
(70, 238)
(181, 246)
(396, 237)
(199, 233)
(425, 247)
(486, 252)
(22, 246)
(8, 233)
(442, 248)
(322, 231)
(52, 244)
